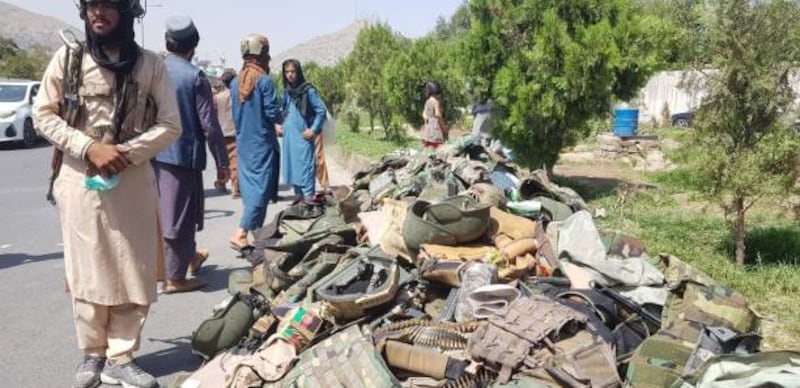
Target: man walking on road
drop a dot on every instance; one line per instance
(222, 101)
(105, 189)
(179, 168)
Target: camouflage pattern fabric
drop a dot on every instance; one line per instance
(696, 297)
(486, 194)
(620, 244)
(768, 369)
(347, 360)
(537, 184)
(695, 304)
(545, 339)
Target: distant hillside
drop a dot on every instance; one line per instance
(326, 50)
(31, 30)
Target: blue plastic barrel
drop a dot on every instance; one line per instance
(626, 122)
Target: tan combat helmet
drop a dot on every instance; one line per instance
(254, 44)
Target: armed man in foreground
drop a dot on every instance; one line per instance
(108, 107)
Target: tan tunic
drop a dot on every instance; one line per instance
(111, 238)
(222, 102)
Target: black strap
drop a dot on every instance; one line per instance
(70, 83)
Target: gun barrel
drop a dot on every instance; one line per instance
(629, 304)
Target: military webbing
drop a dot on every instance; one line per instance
(536, 317)
(346, 359)
(496, 345)
(70, 106)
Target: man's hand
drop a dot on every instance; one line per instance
(279, 130)
(308, 134)
(107, 159)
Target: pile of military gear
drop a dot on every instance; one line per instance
(456, 268)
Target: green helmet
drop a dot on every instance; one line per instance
(133, 6)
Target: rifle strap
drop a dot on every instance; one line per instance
(70, 83)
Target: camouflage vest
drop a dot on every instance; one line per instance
(542, 338)
(346, 359)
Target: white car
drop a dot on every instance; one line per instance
(16, 103)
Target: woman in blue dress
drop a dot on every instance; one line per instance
(304, 114)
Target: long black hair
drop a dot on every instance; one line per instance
(432, 88)
(297, 92)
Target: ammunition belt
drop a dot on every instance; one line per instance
(438, 337)
(423, 332)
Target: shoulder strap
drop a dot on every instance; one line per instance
(70, 106)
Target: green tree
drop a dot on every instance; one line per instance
(17, 63)
(677, 26)
(330, 83)
(374, 47)
(747, 149)
(553, 66)
(428, 59)
(455, 27)
(8, 48)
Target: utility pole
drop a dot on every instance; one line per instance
(147, 6)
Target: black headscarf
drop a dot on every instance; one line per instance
(297, 92)
(124, 36)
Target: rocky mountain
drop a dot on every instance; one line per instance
(326, 50)
(31, 30)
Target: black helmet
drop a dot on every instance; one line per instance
(132, 6)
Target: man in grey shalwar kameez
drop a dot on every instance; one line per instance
(179, 168)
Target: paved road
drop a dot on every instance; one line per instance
(36, 330)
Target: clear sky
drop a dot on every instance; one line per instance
(223, 23)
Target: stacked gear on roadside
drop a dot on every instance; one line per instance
(701, 320)
(456, 268)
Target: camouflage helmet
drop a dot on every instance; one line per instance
(254, 44)
(133, 6)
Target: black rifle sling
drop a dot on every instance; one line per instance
(70, 105)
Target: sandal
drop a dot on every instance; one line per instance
(187, 285)
(196, 264)
(243, 250)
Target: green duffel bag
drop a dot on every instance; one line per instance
(225, 328)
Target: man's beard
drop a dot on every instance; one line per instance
(122, 32)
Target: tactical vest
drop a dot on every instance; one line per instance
(542, 338)
(347, 359)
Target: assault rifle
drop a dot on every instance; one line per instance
(652, 320)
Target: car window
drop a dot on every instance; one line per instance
(34, 92)
(12, 93)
